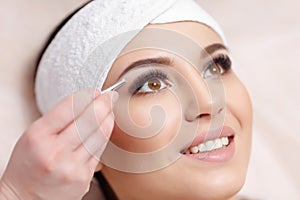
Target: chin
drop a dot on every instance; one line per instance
(221, 189)
(207, 180)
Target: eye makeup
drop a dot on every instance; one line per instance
(224, 61)
(217, 65)
(221, 61)
(145, 77)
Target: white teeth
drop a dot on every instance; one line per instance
(194, 149)
(218, 143)
(225, 140)
(202, 147)
(209, 145)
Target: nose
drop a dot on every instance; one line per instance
(208, 99)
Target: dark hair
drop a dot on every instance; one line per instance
(104, 185)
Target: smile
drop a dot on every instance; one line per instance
(209, 146)
(215, 146)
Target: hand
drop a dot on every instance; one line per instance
(57, 156)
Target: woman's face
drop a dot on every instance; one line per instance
(207, 105)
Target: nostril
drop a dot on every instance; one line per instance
(199, 116)
(204, 115)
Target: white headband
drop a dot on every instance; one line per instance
(62, 70)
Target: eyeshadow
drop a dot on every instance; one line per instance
(147, 76)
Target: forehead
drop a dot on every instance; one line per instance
(186, 39)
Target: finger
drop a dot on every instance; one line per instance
(64, 113)
(87, 123)
(95, 144)
(107, 125)
(94, 164)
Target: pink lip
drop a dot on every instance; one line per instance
(219, 155)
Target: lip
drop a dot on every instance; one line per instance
(219, 155)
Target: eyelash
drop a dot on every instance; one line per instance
(148, 76)
(222, 61)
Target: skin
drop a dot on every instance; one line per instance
(55, 159)
(19, 55)
(187, 178)
(29, 50)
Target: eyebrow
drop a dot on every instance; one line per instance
(215, 47)
(159, 61)
(167, 61)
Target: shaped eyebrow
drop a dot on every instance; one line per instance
(158, 60)
(214, 47)
(167, 61)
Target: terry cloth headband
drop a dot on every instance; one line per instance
(62, 70)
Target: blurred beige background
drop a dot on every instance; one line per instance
(264, 38)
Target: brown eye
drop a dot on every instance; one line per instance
(217, 66)
(154, 84)
(215, 70)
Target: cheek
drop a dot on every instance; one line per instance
(159, 114)
(239, 108)
(239, 102)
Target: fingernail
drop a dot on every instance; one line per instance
(115, 97)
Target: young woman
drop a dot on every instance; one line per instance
(181, 121)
